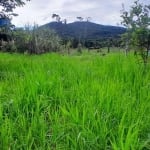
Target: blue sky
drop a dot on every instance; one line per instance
(105, 12)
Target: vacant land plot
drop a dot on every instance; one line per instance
(86, 102)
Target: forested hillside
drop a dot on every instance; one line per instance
(85, 30)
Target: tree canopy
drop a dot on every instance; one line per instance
(137, 22)
(7, 7)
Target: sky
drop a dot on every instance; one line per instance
(106, 12)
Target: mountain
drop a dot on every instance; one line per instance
(85, 30)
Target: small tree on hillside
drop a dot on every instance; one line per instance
(80, 18)
(137, 22)
(57, 17)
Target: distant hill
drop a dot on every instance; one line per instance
(85, 30)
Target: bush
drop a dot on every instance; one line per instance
(36, 40)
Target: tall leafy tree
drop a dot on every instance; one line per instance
(137, 22)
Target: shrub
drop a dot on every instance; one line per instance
(36, 40)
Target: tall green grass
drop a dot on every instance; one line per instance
(85, 102)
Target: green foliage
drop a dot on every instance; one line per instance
(36, 40)
(141, 40)
(80, 48)
(8, 46)
(47, 40)
(84, 102)
(6, 12)
(137, 21)
(22, 38)
(8, 6)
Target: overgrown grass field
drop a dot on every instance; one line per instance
(86, 102)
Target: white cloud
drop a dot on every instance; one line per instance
(101, 11)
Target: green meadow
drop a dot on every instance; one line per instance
(77, 102)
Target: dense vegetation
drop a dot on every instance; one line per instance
(87, 33)
(74, 102)
(30, 40)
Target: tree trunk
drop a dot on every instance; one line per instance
(108, 50)
(127, 47)
(68, 51)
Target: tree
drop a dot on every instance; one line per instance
(36, 40)
(137, 22)
(57, 17)
(6, 13)
(88, 19)
(109, 44)
(8, 6)
(80, 18)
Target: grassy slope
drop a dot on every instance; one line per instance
(77, 102)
